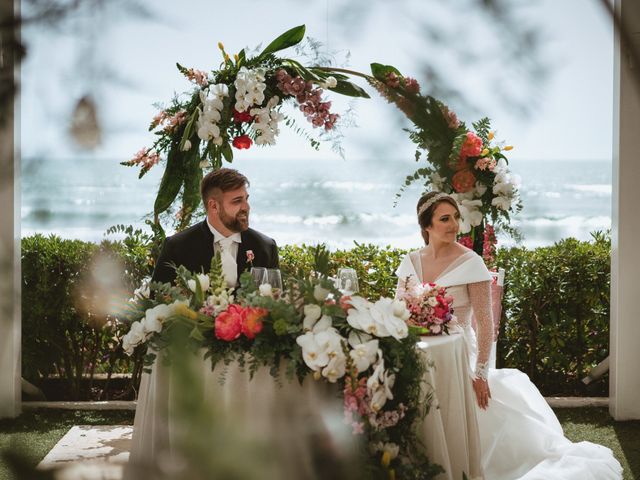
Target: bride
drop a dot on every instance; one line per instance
(520, 436)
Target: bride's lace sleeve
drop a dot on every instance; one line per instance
(480, 297)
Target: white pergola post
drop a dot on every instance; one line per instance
(624, 388)
(10, 278)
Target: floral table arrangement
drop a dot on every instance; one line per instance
(365, 347)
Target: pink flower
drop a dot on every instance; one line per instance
(466, 241)
(471, 147)
(358, 428)
(250, 256)
(411, 85)
(197, 76)
(463, 181)
(228, 325)
(392, 80)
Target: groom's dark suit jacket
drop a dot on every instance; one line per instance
(193, 248)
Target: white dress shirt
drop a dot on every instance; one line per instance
(229, 265)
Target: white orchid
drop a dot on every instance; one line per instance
(265, 124)
(470, 214)
(312, 313)
(437, 182)
(391, 315)
(203, 279)
(329, 82)
(379, 385)
(320, 293)
(154, 317)
(143, 291)
(313, 352)
(250, 88)
(503, 203)
(364, 354)
(133, 338)
(336, 368)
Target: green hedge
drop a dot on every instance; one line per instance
(554, 325)
(556, 322)
(69, 288)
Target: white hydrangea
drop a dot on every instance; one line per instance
(249, 88)
(209, 114)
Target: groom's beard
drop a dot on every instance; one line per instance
(239, 223)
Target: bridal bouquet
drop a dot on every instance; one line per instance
(430, 308)
(365, 347)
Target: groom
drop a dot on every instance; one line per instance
(225, 230)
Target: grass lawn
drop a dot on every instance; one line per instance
(36, 432)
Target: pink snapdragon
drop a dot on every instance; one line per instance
(145, 157)
(489, 245)
(198, 76)
(466, 241)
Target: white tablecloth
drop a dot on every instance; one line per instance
(294, 416)
(450, 430)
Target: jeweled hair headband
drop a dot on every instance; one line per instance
(436, 198)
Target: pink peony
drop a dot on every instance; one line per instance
(228, 324)
(471, 147)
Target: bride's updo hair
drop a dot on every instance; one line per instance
(426, 216)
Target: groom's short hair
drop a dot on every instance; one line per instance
(220, 181)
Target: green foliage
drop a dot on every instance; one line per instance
(556, 304)
(68, 288)
(288, 39)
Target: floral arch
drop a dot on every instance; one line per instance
(241, 104)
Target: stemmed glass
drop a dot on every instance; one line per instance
(274, 278)
(347, 281)
(259, 275)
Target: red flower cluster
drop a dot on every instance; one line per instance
(242, 117)
(466, 241)
(489, 245)
(236, 320)
(463, 180)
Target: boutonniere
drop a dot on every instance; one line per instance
(250, 257)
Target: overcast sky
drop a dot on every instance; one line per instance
(127, 63)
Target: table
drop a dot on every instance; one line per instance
(298, 418)
(450, 430)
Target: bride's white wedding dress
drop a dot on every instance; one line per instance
(520, 436)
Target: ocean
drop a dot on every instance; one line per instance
(335, 202)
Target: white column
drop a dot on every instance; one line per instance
(624, 388)
(10, 279)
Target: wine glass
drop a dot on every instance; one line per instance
(259, 275)
(274, 278)
(347, 281)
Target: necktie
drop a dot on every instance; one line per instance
(229, 265)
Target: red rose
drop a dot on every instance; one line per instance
(242, 117)
(463, 181)
(243, 141)
(229, 323)
(252, 322)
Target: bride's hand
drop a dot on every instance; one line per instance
(483, 394)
